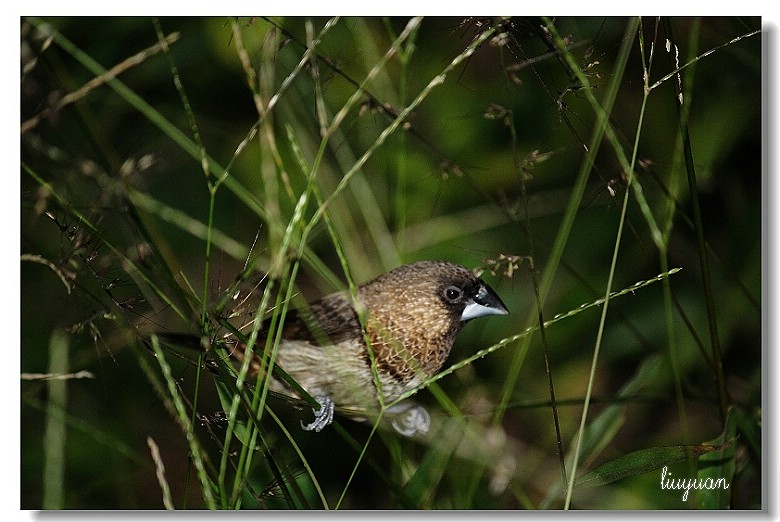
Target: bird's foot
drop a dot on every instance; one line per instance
(410, 419)
(322, 416)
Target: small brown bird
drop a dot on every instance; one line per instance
(410, 318)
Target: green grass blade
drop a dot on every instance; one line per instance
(55, 433)
(640, 462)
(197, 453)
(718, 468)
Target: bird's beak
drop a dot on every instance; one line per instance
(486, 302)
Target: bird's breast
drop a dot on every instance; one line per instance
(342, 371)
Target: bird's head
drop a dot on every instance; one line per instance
(419, 308)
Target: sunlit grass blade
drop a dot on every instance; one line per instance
(183, 418)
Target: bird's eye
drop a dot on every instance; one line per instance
(453, 293)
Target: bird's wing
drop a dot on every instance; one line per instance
(329, 320)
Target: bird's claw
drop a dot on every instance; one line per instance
(322, 416)
(410, 419)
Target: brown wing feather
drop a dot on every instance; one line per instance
(329, 320)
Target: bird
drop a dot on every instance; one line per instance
(393, 334)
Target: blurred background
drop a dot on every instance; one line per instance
(143, 140)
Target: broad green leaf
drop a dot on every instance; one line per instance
(640, 462)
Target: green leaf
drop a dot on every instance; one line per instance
(716, 469)
(749, 428)
(640, 462)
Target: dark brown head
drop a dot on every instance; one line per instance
(415, 311)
